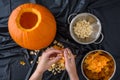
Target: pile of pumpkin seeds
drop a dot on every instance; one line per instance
(59, 65)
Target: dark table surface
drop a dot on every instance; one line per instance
(11, 54)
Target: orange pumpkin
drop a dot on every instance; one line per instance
(32, 26)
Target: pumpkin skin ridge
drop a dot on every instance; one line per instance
(26, 32)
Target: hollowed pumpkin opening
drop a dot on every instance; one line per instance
(28, 20)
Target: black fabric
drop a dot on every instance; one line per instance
(11, 54)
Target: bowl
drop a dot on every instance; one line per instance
(98, 65)
(93, 22)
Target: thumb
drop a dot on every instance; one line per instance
(66, 55)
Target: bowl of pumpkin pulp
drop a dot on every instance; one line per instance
(98, 65)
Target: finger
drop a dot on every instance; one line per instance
(51, 52)
(39, 58)
(72, 57)
(66, 55)
(48, 49)
(70, 53)
(54, 60)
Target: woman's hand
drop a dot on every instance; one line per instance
(45, 62)
(70, 64)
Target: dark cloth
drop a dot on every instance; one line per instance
(106, 10)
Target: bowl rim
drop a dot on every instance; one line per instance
(71, 30)
(95, 51)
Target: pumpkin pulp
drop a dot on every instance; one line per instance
(28, 20)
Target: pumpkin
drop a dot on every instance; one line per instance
(32, 26)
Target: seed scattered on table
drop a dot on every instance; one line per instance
(34, 52)
(22, 63)
(31, 62)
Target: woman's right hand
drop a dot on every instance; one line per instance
(70, 64)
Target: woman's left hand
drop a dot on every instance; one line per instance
(45, 62)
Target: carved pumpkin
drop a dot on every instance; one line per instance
(32, 26)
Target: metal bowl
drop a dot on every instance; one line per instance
(104, 52)
(94, 22)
